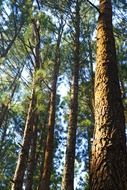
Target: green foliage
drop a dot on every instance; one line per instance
(16, 74)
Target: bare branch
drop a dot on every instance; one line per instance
(93, 6)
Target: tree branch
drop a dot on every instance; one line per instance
(10, 44)
(93, 6)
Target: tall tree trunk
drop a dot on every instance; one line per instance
(68, 178)
(32, 157)
(28, 132)
(48, 158)
(109, 157)
(23, 156)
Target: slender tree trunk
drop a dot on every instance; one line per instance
(92, 78)
(4, 135)
(32, 157)
(109, 157)
(91, 103)
(43, 145)
(48, 158)
(12, 88)
(23, 157)
(68, 178)
(32, 111)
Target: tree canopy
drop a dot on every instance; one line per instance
(49, 51)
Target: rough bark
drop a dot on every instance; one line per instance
(109, 157)
(48, 158)
(68, 177)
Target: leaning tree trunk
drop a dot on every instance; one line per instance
(68, 177)
(30, 121)
(109, 158)
(12, 88)
(23, 156)
(48, 157)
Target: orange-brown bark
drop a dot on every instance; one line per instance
(109, 157)
(68, 178)
(48, 158)
(32, 156)
(23, 156)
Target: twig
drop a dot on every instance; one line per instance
(20, 145)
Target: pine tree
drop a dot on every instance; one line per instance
(68, 178)
(48, 158)
(108, 163)
(30, 120)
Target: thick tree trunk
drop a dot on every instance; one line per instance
(109, 157)
(68, 177)
(48, 158)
